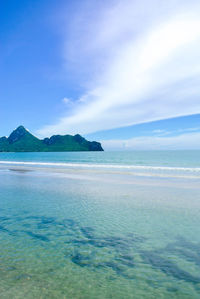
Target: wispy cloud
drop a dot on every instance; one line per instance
(140, 60)
(189, 130)
(68, 102)
(161, 132)
(175, 132)
(183, 141)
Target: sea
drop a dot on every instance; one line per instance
(95, 225)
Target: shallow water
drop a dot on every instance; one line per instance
(179, 164)
(83, 234)
(187, 158)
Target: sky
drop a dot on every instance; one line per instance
(122, 72)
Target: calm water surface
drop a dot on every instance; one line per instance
(75, 232)
(129, 158)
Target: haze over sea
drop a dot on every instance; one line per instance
(100, 225)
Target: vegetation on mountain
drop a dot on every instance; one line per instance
(21, 140)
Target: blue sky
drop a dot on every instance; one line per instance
(126, 73)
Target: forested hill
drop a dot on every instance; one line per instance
(21, 140)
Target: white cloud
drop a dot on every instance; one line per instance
(188, 130)
(184, 141)
(66, 101)
(141, 62)
(161, 132)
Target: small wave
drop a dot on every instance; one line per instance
(103, 166)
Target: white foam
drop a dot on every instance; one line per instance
(107, 166)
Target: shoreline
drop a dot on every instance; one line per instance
(106, 176)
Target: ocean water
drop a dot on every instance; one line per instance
(129, 158)
(100, 225)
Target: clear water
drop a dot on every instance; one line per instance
(133, 158)
(152, 163)
(75, 232)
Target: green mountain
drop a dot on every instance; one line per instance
(20, 140)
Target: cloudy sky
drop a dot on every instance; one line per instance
(126, 73)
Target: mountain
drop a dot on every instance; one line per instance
(21, 140)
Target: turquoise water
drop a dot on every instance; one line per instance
(152, 163)
(99, 232)
(137, 158)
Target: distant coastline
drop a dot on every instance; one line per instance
(21, 140)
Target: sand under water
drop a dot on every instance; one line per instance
(96, 232)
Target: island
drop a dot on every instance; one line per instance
(21, 140)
